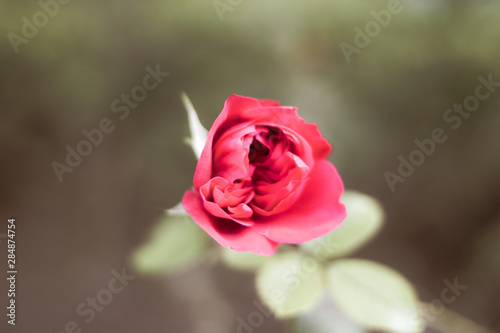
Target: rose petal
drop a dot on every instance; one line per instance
(284, 118)
(268, 102)
(225, 232)
(215, 210)
(318, 213)
(238, 109)
(230, 198)
(208, 194)
(229, 117)
(242, 211)
(230, 154)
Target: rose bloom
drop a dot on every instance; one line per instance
(263, 179)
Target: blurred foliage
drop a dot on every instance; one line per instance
(364, 220)
(175, 244)
(375, 296)
(245, 261)
(198, 132)
(289, 284)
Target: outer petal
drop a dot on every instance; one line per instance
(286, 117)
(268, 102)
(226, 232)
(230, 116)
(318, 212)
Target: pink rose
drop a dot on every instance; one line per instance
(263, 179)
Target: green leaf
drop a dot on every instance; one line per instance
(243, 261)
(176, 242)
(374, 295)
(198, 132)
(289, 283)
(364, 219)
(325, 317)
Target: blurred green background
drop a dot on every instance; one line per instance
(442, 222)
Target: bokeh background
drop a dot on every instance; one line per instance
(443, 222)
